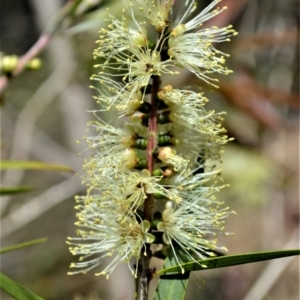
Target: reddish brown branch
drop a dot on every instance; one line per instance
(143, 281)
(42, 42)
(152, 130)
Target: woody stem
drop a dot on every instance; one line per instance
(143, 281)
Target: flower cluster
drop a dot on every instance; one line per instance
(161, 156)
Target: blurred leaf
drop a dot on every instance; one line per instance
(33, 165)
(22, 245)
(245, 86)
(93, 15)
(171, 288)
(83, 26)
(63, 15)
(15, 290)
(267, 39)
(227, 261)
(15, 190)
(87, 6)
(252, 101)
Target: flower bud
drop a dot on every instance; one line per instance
(166, 88)
(179, 29)
(130, 158)
(140, 40)
(157, 172)
(164, 153)
(9, 63)
(168, 172)
(34, 64)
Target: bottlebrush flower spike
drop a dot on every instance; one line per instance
(163, 154)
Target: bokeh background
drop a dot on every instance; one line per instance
(44, 112)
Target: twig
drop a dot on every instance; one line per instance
(143, 282)
(42, 42)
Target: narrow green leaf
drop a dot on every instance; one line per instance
(15, 190)
(171, 288)
(22, 245)
(32, 165)
(15, 290)
(227, 261)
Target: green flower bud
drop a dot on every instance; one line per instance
(34, 64)
(9, 63)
